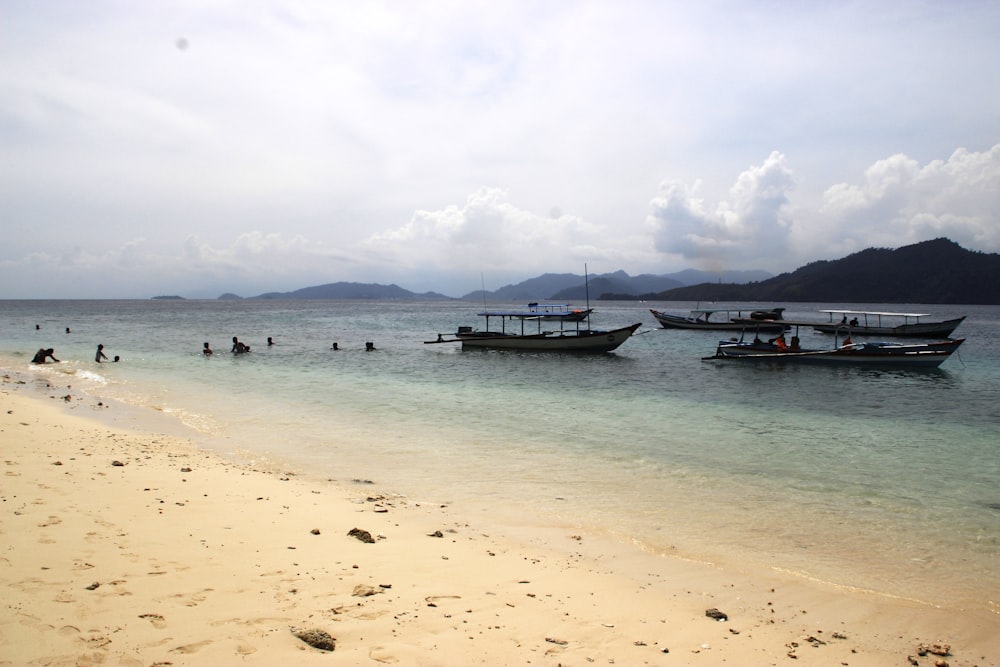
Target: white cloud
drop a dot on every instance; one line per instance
(901, 202)
(898, 203)
(750, 227)
(345, 138)
(486, 233)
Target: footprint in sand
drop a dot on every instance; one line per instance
(245, 649)
(380, 654)
(191, 648)
(156, 620)
(51, 521)
(195, 599)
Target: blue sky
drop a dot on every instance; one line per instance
(197, 147)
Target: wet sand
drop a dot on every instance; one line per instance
(127, 547)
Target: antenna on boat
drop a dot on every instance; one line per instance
(586, 291)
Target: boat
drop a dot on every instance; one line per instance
(524, 330)
(876, 354)
(723, 319)
(872, 324)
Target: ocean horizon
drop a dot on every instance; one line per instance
(882, 480)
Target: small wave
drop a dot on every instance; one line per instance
(91, 376)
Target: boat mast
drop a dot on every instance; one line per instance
(586, 291)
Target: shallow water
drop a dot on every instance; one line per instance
(879, 479)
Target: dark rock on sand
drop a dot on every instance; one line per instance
(716, 614)
(316, 638)
(362, 535)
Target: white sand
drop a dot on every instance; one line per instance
(200, 561)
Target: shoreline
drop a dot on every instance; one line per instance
(203, 560)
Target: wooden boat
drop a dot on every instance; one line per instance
(521, 330)
(723, 319)
(879, 354)
(872, 324)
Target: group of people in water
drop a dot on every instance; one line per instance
(44, 354)
(239, 347)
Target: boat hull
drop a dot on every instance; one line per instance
(668, 321)
(910, 330)
(913, 355)
(569, 341)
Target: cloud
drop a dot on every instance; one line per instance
(486, 233)
(352, 139)
(901, 202)
(752, 225)
(898, 202)
(758, 224)
(254, 262)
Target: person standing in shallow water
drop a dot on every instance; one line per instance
(238, 347)
(207, 351)
(100, 354)
(44, 354)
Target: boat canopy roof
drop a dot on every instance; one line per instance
(871, 312)
(527, 314)
(709, 311)
(536, 310)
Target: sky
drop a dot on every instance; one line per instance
(196, 147)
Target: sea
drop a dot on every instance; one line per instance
(871, 479)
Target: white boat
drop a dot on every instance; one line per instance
(723, 319)
(871, 323)
(525, 330)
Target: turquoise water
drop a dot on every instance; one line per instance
(879, 479)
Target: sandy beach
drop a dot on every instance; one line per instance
(125, 547)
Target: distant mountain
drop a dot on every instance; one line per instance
(696, 277)
(344, 290)
(572, 287)
(938, 271)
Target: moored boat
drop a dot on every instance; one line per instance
(723, 319)
(880, 354)
(521, 330)
(871, 323)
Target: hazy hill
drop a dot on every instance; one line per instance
(938, 271)
(344, 290)
(572, 287)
